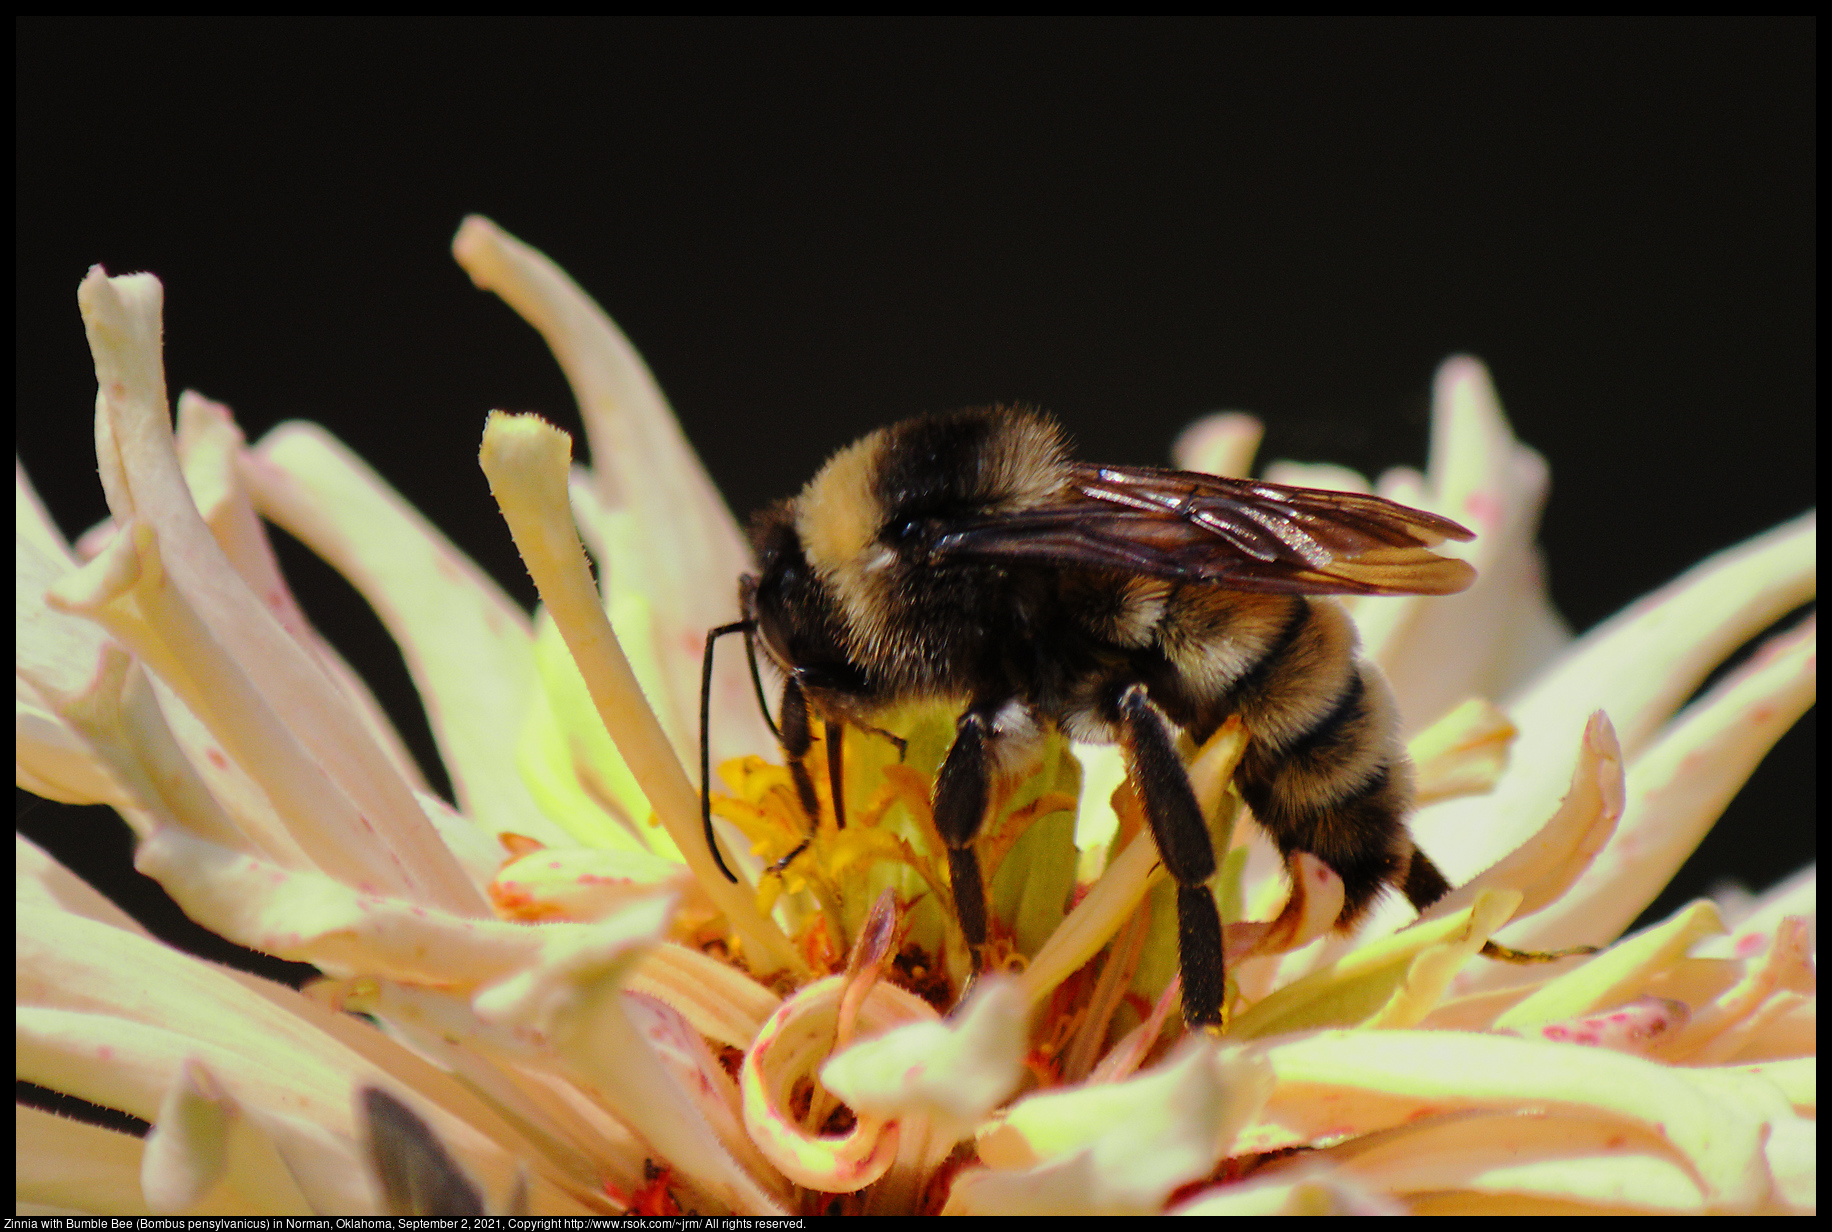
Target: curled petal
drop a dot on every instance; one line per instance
(1310, 911)
(789, 1050)
(951, 1072)
(697, 1073)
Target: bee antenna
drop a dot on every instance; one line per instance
(712, 636)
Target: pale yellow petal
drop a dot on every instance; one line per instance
(1545, 866)
(141, 475)
(65, 1167)
(1220, 444)
(526, 462)
(1677, 788)
(466, 644)
(1616, 975)
(211, 451)
(41, 882)
(1343, 1083)
(125, 729)
(571, 998)
(575, 1145)
(1380, 977)
(308, 917)
(689, 551)
(723, 1003)
(206, 1152)
(1585, 1160)
(127, 588)
(1438, 651)
(1119, 1148)
(1462, 754)
(53, 652)
(1637, 666)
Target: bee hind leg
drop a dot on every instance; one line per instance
(1182, 836)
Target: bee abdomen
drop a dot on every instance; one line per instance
(1340, 790)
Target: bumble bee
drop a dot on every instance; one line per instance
(965, 556)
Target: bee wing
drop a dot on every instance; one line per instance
(1241, 533)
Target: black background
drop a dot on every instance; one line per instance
(813, 228)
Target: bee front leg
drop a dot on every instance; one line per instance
(797, 739)
(960, 810)
(1183, 843)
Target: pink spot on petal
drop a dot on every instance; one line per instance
(1482, 507)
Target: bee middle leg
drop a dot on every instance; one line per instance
(961, 790)
(1182, 836)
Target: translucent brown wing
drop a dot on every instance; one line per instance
(1241, 533)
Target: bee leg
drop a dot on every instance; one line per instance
(797, 739)
(1183, 844)
(960, 809)
(836, 765)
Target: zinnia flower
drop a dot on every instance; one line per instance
(546, 998)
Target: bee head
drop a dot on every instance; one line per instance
(797, 620)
